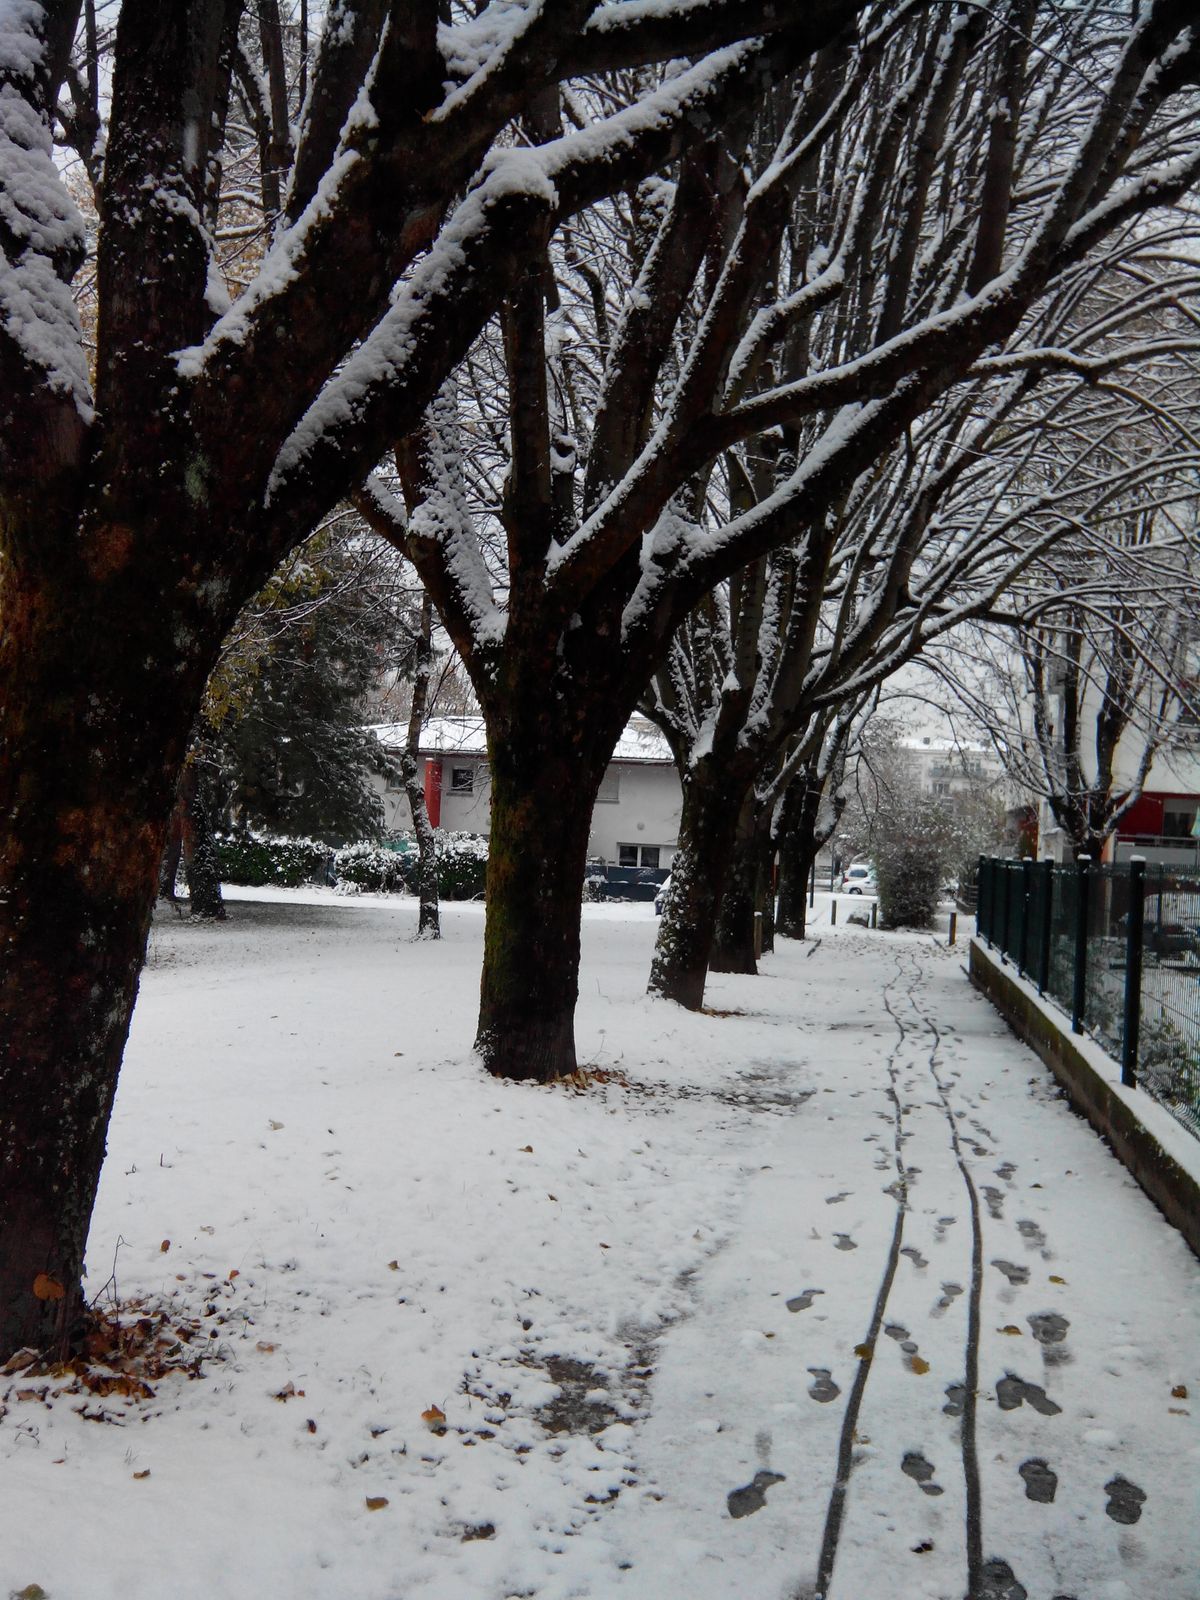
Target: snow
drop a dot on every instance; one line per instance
(639, 741)
(38, 218)
(629, 1302)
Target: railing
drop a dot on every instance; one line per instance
(1118, 949)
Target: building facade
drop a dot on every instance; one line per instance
(635, 821)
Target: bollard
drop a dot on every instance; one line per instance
(953, 927)
(874, 913)
(833, 912)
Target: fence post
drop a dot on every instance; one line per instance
(1047, 925)
(1026, 904)
(953, 927)
(1134, 926)
(833, 911)
(1079, 995)
(1005, 898)
(983, 900)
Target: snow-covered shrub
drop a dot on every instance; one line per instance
(366, 868)
(910, 879)
(462, 865)
(258, 858)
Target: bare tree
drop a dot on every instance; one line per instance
(928, 187)
(150, 485)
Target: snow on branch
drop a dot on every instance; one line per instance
(41, 232)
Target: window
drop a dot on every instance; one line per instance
(638, 855)
(462, 780)
(1179, 819)
(608, 794)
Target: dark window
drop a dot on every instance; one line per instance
(462, 780)
(627, 855)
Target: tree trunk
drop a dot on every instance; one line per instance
(93, 740)
(733, 948)
(707, 829)
(542, 799)
(429, 920)
(168, 872)
(796, 857)
(200, 863)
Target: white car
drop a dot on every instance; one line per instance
(859, 878)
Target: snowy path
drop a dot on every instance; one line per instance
(710, 1330)
(969, 1389)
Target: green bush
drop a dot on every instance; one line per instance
(910, 880)
(369, 869)
(256, 859)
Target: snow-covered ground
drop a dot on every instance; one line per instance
(657, 1316)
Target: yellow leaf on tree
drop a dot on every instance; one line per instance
(47, 1288)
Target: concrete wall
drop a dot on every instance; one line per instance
(1124, 1117)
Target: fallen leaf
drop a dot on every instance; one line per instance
(1179, 1392)
(526, 1150)
(165, 1246)
(234, 1272)
(310, 1425)
(145, 1473)
(550, 1196)
(1054, 1278)
(434, 1419)
(1010, 1328)
(376, 1502)
(288, 1392)
(864, 1352)
(273, 1125)
(19, 1361)
(265, 1346)
(47, 1288)
(604, 1246)
(393, 1266)
(918, 1364)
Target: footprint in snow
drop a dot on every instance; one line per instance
(802, 1301)
(843, 1241)
(956, 1396)
(1005, 1171)
(1041, 1481)
(836, 1199)
(823, 1387)
(1032, 1234)
(1125, 1500)
(950, 1292)
(1012, 1392)
(1015, 1273)
(995, 1202)
(921, 1471)
(914, 1255)
(752, 1497)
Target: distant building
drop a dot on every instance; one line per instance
(635, 822)
(947, 767)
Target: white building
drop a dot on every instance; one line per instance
(635, 822)
(947, 767)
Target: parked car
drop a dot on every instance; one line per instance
(660, 899)
(859, 878)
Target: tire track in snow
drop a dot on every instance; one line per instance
(906, 980)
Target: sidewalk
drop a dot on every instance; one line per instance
(951, 1339)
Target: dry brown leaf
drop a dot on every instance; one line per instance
(234, 1272)
(393, 1266)
(864, 1352)
(145, 1473)
(376, 1502)
(165, 1246)
(1011, 1329)
(918, 1364)
(265, 1346)
(526, 1150)
(1179, 1392)
(434, 1419)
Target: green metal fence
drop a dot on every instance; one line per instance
(1118, 949)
